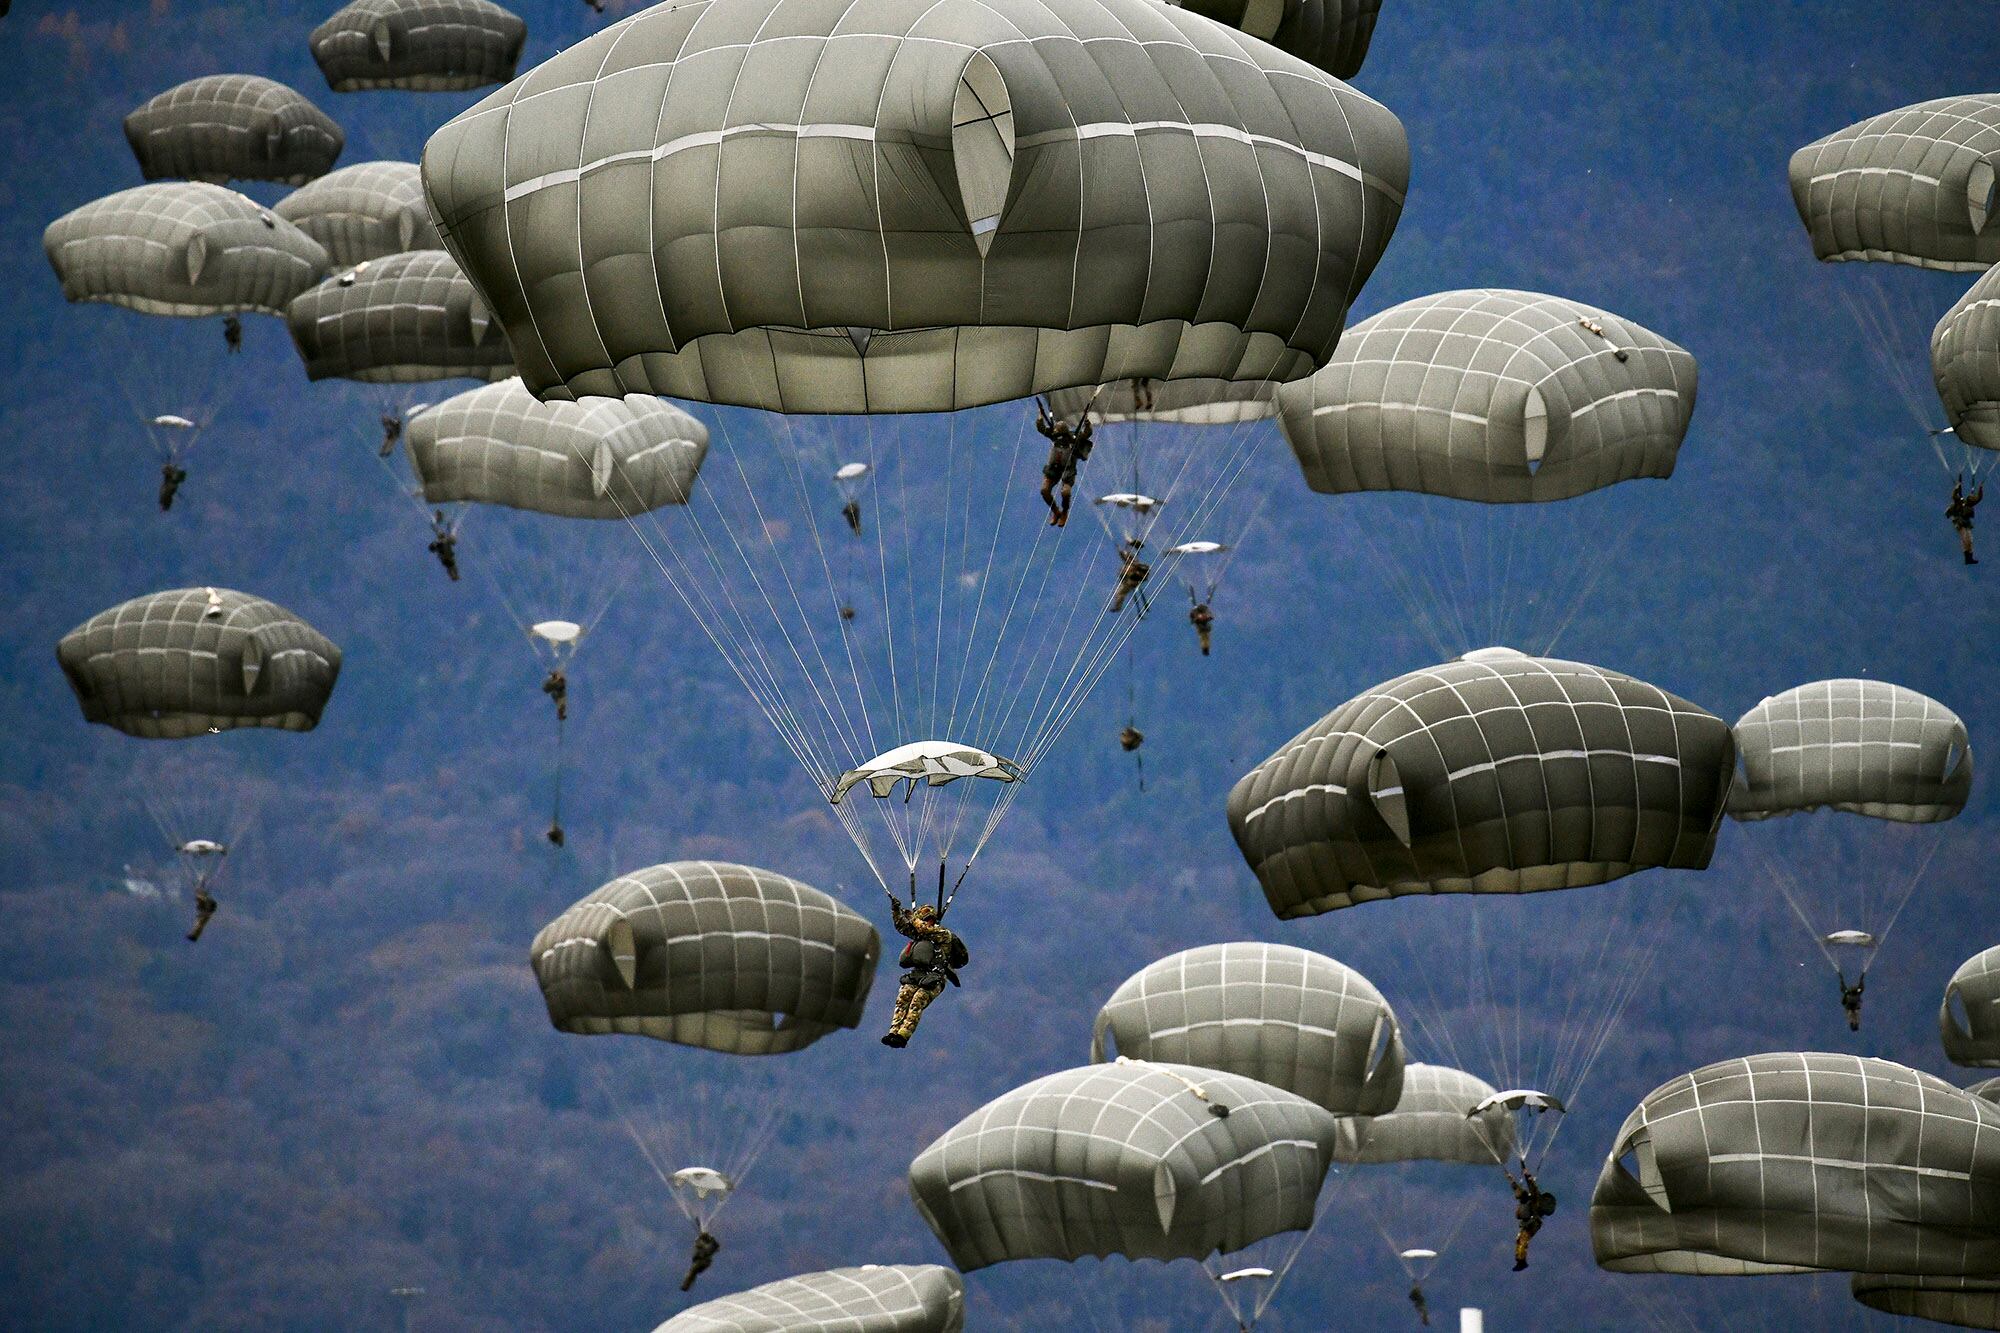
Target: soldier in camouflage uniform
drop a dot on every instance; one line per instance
(392, 431)
(706, 1247)
(204, 908)
(1203, 621)
(1850, 1000)
(932, 958)
(444, 544)
(1068, 446)
(1532, 1206)
(557, 688)
(232, 333)
(171, 478)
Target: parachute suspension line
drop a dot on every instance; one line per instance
(1902, 900)
(1795, 898)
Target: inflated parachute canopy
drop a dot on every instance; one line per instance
(1863, 746)
(1796, 1161)
(1289, 1017)
(1965, 361)
(225, 127)
(195, 660)
(1492, 773)
(363, 212)
(884, 208)
(709, 954)
(1332, 34)
(1969, 1019)
(1176, 402)
(399, 320)
(874, 1298)
(597, 458)
(182, 248)
(1497, 396)
(419, 45)
(1914, 185)
(1129, 1158)
(1435, 1120)
(1969, 1302)
(1986, 1088)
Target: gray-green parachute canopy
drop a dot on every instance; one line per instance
(879, 208)
(1965, 361)
(1492, 773)
(1913, 186)
(1987, 1088)
(182, 248)
(709, 954)
(398, 320)
(1863, 746)
(1177, 402)
(195, 660)
(418, 45)
(1332, 34)
(225, 127)
(1432, 1121)
(1969, 1302)
(874, 1298)
(596, 458)
(1129, 1158)
(1491, 395)
(362, 212)
(1969, 1019)
(1289, 1017)
(1799, 1161)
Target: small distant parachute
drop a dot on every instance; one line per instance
(1285, 1016)
(1495, 396)
(1802, 1161)
(182, 248)
(1969, 1019)
(369, 210)
(1150, 1161)
(224, 127)
(933, 763)
(1866, 747)
(1965, 362)
(398, 320)
(710, 954)
(1969, 1302)
(1493, 773)
(1911, 186)
(602, 458)
(903, 1298)
(418, 45)
(191, 661)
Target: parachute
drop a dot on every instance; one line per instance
(1988, 1088)
(901, 1298)
(1332, 34)
(709, 954)
(225, 127)
(1965, 362)
(406, 318)
(183, 248)
(1289, 1017)
(370, 210)
(969, 290)
(1969, 1302)
(418, 45)
(1969, 1018)
(1911, 186)
(190, 661)
(1795, 1161)
(501, 445)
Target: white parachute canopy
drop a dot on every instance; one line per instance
(561, 635)
(203, 847)
(1517, 1099)
(1851, 939)
(169, 421)
(1413, 1256)
(932, 762)
(850, 472)
(1198, 548)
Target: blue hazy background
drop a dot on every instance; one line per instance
(351, 1084)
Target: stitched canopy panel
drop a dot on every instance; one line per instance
(1126, 1158)
(1969, 1302)
(1801, 1160)
(182, 248)
(1332, 34)
(1493, 773)
(363, 212)
(194, 660)
(1914, 186)
(1863, 746)
(1965, 361)
(1432, 1122)
(1969, 1019)
(903, 1298)
(1491, 395)
(875, 207)
(399, 320)
(602, 458)
(418, 45)
(706, 953)
(1289, 1017)
(224, 127)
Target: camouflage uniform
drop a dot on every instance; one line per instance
(1203, 621)
(204, 908)
(1423, 1306)
(232, 333)
(1959, 511)
(392, 431)
(931, 959)
(557, 688)
(171, 478)
(1532, 1204)
(444, 545)
(1131, 739)
(1068, 446)
(851, 511)
(1850, 1000)
(706, 1247)
(1133, 573)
